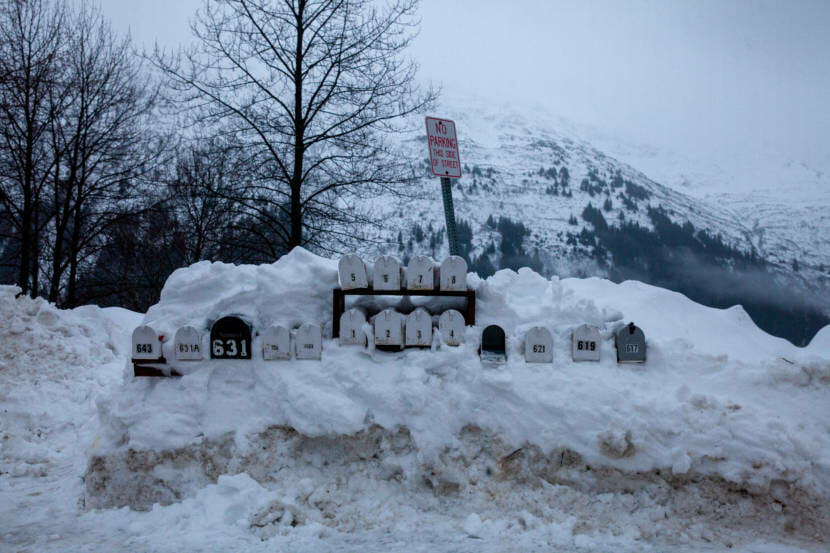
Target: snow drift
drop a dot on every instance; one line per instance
(719, 406)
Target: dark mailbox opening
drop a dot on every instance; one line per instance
(230, 338)
(492, 342)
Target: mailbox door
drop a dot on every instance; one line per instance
(453, 274)
(230, 338)
(538, 345)
(419, 328)
(420, 274)
(387, 273)
(309, 341)
(146, 344)
(585, 343)
(451, 326)
(388, 328)
(351, 328)
(188, 344)
(352, 272)
(631, 345)
(276, 343)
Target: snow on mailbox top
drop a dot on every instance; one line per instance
(420, 274)
(454, 274)
(631, 344)
(387, 273)
(443, 148)
(352, 272)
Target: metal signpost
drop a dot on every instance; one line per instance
(445, 163)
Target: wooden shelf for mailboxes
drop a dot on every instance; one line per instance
(339, 301)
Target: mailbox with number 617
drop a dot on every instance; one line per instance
(631, 344)
(230, 338)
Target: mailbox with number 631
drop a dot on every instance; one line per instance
(230, 338)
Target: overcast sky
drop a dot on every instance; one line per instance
(713, 77)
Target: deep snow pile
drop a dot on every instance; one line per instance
(723, 430)
(54, 367)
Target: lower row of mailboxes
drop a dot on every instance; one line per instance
(230, 338)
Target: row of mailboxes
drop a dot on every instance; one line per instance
(629, 342)
(387, 273)
(230, 338)
(393, 330)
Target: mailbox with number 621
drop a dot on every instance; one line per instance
(631, 344)
(230, 338)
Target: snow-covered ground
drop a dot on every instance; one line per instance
(719, 442)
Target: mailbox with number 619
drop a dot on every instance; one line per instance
(585, 343)
(230, 338)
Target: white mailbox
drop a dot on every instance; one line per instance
(419, 328)
(538, 345)
(453, 274)
(309, 341)
(146, 344)
(188, 344)
(387, 273)
(451, 326)
(585, 343)
(422, 273)
(352, 271)
(388, 328)
(351, 328)
(276, 343)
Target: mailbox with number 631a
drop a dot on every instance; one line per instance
(230, 338)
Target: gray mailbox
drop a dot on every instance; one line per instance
(631, 344)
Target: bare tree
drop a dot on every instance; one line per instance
(102, 142)
(31, 32)
(310, 87)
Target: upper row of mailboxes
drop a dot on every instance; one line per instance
(387, 273)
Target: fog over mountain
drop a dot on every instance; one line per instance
(719, 87)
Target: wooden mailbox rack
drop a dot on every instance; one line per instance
(339, 301)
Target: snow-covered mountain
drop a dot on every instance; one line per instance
(536, 169)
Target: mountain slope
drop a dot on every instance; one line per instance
(537, 173)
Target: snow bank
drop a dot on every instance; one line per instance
(717, 399)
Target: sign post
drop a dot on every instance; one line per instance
(445, 163)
